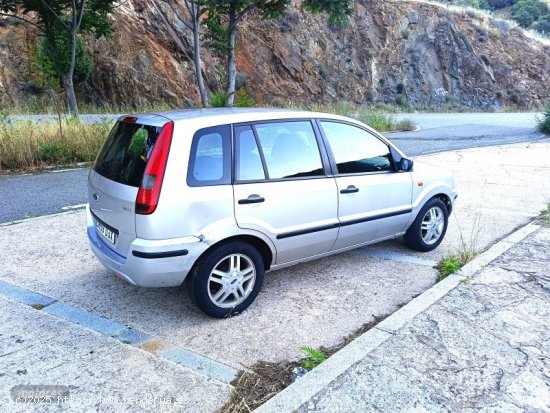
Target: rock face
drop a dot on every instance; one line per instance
(393, 52)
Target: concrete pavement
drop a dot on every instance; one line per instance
(483, 347)
(314, 304)
(100, 373)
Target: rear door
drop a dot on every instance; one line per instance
(282, 190)
(114, 181)
(374, 199)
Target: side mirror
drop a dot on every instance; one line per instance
(405, 165)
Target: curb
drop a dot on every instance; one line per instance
(210, 368)
(306, 387)
(41, 217)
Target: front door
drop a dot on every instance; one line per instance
(282, 190)
(374, 199)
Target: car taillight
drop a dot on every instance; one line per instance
(149, 191)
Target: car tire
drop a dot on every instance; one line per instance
(227, 279)
(429, 228)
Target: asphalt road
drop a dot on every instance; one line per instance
(46, 193)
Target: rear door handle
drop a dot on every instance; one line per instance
(252, 199)
(350, 190)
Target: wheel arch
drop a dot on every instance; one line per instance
(446, 200)
(258, 243)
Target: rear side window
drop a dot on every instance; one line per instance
(210, 159)
(125, 152)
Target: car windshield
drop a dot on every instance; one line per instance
(125, 152)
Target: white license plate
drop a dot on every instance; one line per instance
(106, 232)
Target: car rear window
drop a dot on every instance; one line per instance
(126, 151)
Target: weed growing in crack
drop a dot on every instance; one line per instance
(314, 357)
(465, 253)
(448, 266)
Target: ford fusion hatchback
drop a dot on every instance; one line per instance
(216, 198)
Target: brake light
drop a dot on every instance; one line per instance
(149, 191)
(130, 119)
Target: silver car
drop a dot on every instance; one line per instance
(218, 197)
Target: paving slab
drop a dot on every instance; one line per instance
(485, 346)
(101, 373)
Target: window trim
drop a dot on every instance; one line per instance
(226, 133)
(325, 163)
(332, 159)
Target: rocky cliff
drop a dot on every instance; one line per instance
(393, 52)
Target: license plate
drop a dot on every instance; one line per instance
(106, 232)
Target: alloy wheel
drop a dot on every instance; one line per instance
(433, 225)
(231, 281)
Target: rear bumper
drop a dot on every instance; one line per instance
(149, 263)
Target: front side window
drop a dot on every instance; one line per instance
(355, 150)
(210, 160)
(290, 149)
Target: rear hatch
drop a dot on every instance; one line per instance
(116, 177)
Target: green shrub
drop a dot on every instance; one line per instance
(544, 122)
(218, 100)
(401, 99)
(526, 12)
(499, 4)
(243, 99)
(543, 25)
(53, 58)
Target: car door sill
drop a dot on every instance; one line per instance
(328, 253)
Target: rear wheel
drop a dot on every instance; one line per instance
(429, 228)
(227, 280)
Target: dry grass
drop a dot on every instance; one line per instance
(28, 144)
(263, 380)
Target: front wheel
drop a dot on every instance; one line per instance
(227, 280)
(429, 227)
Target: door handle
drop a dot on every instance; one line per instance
(252, 199)
(350, 190)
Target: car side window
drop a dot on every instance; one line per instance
(248, 161)
(355, 150)
(210, 160)
(290, 149)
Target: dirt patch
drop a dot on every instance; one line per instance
(263, 380)
(152, 346)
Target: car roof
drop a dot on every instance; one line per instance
(234, 115)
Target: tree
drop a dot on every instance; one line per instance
(224, 16)
(196, 11)
(543, 25)
(54, 56)
(68, 16)
(525, 12)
